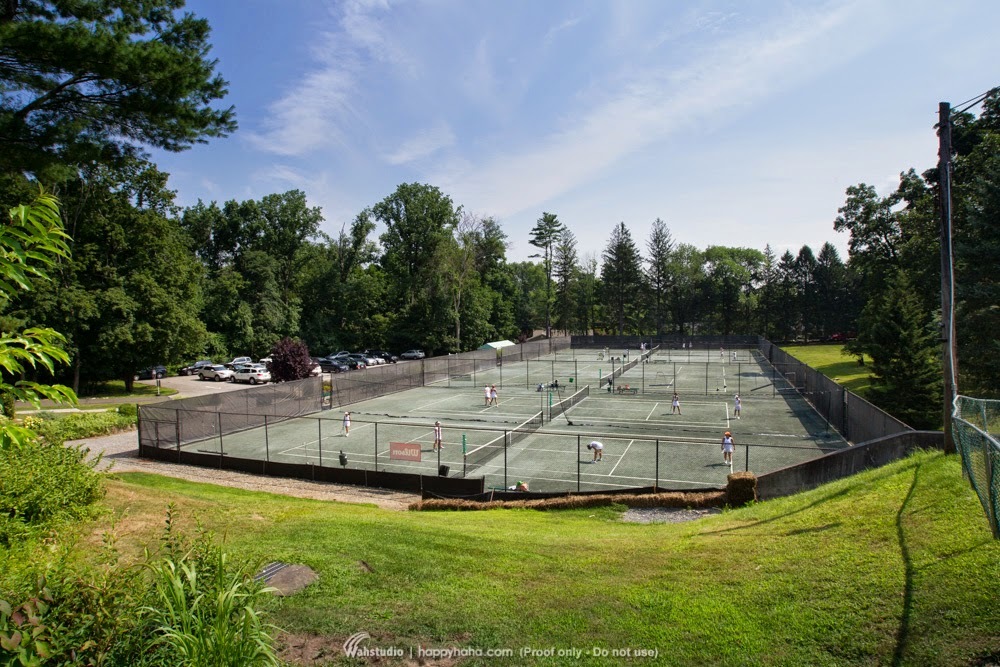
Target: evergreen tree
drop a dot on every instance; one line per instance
(94, 80)
(544, 236)
(659, 249)
(621, 278)
(902, 340)
(565, 270)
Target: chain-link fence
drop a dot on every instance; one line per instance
(976, 422)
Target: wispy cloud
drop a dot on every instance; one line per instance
(558, 28)
(319, 110)
(651, 105)
(424, 144)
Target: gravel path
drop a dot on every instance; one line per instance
(666, 514)
(121, 454)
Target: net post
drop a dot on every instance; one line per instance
(505, 436)
(656, 480)
(578, 464)
(267, 446)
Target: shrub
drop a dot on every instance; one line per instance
(7, 404)
(184, 603)
(130, 410)
(43, 486)
(80, 425)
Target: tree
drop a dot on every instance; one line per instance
(93, 80)
(901, 339)
(621, 275)
(290, 360)
(544, 236)
(30, 245)
(130, 295)
(565, 270)
(659, 248)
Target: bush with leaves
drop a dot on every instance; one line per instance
(45, 485)
(79, 425)
(185, 603)
(290, 360)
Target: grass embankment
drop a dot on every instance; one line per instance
(833, 362)
(892, 566)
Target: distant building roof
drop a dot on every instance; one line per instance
(497, 344)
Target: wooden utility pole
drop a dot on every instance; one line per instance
(949, 351)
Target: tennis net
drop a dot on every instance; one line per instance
(565, 404)
(483, 453)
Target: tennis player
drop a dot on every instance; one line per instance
(675, 404)
(598, 451)
(437, 436)
(486, 391)
(728, 445)
(737, 406)
(347, 423)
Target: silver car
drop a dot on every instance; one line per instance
(254, 374)
(216, 372)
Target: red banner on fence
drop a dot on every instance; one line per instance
(404, 451)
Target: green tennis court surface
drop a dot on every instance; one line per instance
(646, 443)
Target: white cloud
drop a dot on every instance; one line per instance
(425, 143)
(652, 105)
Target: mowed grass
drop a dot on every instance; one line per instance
(831, 360)
(892, 566)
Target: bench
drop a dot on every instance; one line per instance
(627, 390)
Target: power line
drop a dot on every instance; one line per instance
(962, 107)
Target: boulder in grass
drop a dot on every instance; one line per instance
(741, 488)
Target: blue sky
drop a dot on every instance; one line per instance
(737, 123)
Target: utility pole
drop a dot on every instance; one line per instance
(949, 351)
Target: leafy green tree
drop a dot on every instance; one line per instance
(529, 282)
(659, 248)
(728, 288)
(808, 306)
(131, 294)
(544, 235)
(685, 274)
(902, 340)
(30, 245)
(621, 277)
(834, 312)
(418, 219)
(93, 80)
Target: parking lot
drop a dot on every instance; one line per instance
(190, 385)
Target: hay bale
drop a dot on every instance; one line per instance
(741, 488)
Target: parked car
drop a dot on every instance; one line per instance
(413, 354)
(216, 372)
(265, 361)
(333, 366)
(152, 373)
(355, 361)
(389, 357)
(369, 359)
(255, 374)
(195, 367)
(338, 355)
(239, 361)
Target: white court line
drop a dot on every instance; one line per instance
(652, 410)
(426, 405)
(621, 457)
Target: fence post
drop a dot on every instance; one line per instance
(747, 467)
(376, 447)
(578, 464)
(506, 436)
(319, 443)
(656, 481)
(267, 446)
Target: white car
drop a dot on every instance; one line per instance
(256, 374)
(239, 361)
(412, 354)
(216, 372)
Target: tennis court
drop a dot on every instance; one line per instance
(541, 437)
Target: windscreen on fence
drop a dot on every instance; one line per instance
(176, 423)
(975, 421)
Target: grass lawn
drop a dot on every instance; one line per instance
(892, 566)
(831, 360)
